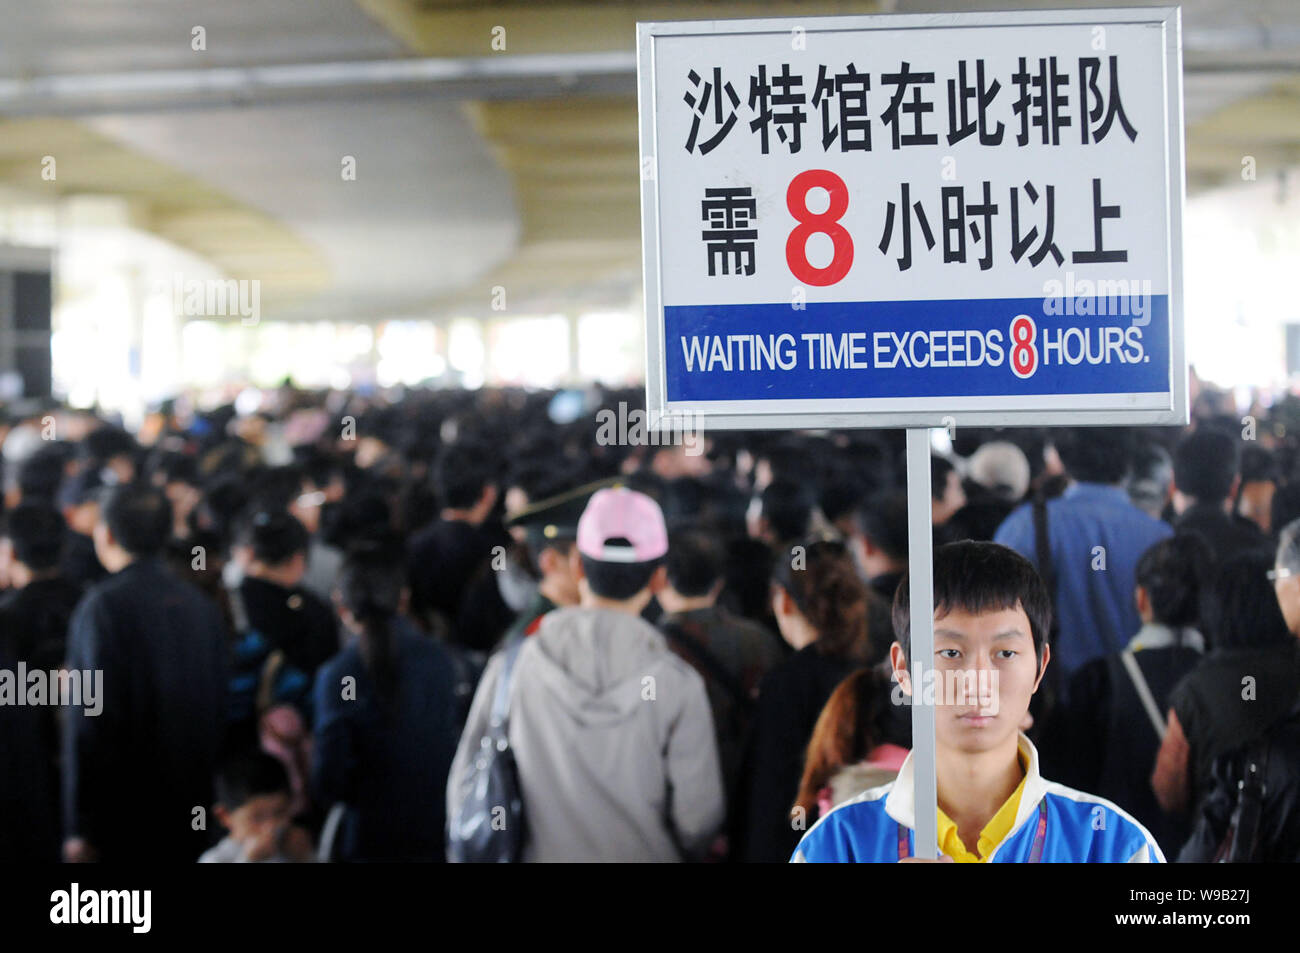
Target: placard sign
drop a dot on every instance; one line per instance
(894, 220)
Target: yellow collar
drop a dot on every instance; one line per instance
(994, 831)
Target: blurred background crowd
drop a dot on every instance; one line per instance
(292, 604)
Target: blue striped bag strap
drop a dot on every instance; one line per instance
(1036, 852)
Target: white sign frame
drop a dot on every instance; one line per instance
(1115, 409)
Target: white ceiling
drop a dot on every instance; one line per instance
(431, 209)
(51, 37)
(428, 210)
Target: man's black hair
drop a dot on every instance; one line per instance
(940, 467)
(1174, 572)
(979, 577)
(84, 486)
(1095, 454)
(787, 507)
(41, 474)
(618, 580)
(247, 774)
(870, 461)
(540, 481)
(275, 487)
(722, 509)
(840, 496)
(36, 531)
(175, 467)
(1152, 470)
(682, 500)
(1205, 463)
(788, 458)
(694, 562)
(219, 508)
(648, 482)
(883, 521)
(380, 423)
(101, 445)
(274, 536)
(139, 516)
(1241, 608)
(227, 459)
(316, 466)
(1258, 465)
(462, 472)
(362, 513)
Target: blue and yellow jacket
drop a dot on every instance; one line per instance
(1078, 827)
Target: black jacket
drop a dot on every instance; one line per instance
(294, 621)
(790, 698)
(1220, 710)
(36, 617)
(1278, 838)
(134, 775)
(29, 816)
(34, 630)
(388, 760)
(1101, 739)
(449, 563)
(80, 564)
(1228, 536)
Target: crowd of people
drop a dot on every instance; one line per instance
(296, 627)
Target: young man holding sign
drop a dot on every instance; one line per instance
(992, 616)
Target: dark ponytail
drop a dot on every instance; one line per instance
(370, 587)
(377, 650)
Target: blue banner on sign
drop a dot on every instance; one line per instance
(984, 347)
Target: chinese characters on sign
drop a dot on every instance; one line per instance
(1042, 108)
(914, 216)
(781, 102)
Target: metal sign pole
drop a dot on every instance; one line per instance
(920, 571)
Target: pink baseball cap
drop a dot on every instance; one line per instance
(617, 513)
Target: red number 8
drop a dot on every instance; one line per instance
(827, 222)
(1024, 355)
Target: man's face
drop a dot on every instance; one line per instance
(1257, 502)
(1287, 586)
(103, 543)
(82, 517)
(562, 566)
(123, 468)
(984, 673)
(754, 518)
(516, 500)
(260, 816)
(953, 499)
(184, 497)
(306, 507)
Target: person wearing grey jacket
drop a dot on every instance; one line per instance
(611, 731)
